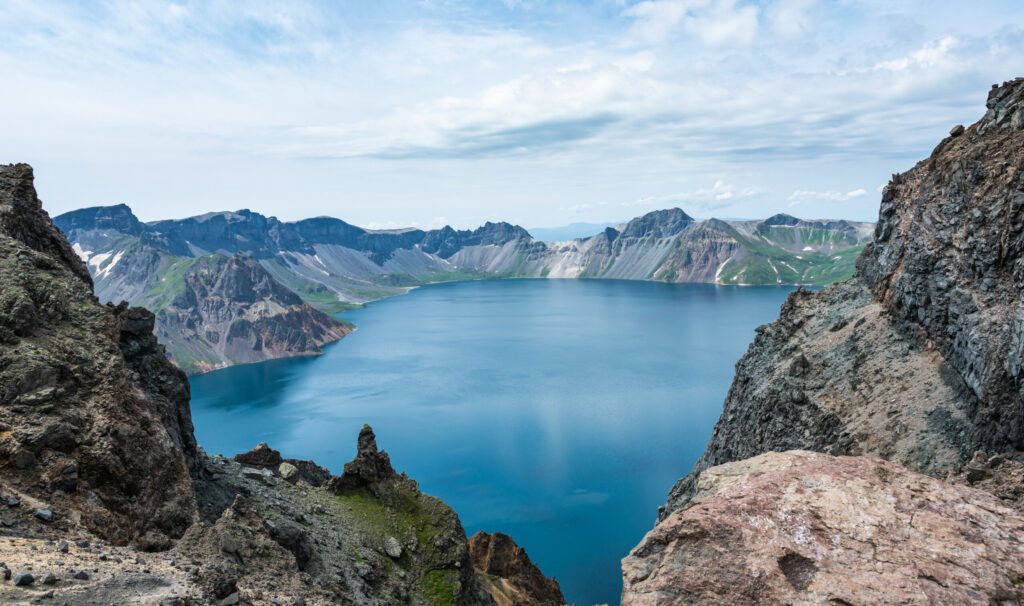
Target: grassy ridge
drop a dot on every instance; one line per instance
(769, 263)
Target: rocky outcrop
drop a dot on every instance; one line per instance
(509, 575)
(917, 358)
(808, 528)
(95, 421)
(948, 262)
(230, 310)
(371, 469)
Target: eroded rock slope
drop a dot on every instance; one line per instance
(92, 415)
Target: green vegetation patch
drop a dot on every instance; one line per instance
(439, 587)
(403, 516)
(770, 264)
(169, 284)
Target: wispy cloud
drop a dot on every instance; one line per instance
(719, 195)
(713, 22)
(802, 195)
(523, 107)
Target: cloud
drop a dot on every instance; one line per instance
(714, 22)
(801, 195)
(931, 54)
(347, 110)
(791, 18)
(478, 141)
(720, 195)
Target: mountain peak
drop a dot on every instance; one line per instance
(117, 217)
(781, 219)
(23, 218)
(658, 223)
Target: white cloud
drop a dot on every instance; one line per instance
(719, 195)
(929, 55)
(714, 22)
(193, 106)
(802, 195)
(791, 18)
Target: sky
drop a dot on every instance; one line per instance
(391, 113)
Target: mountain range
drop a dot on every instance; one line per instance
(261, 288)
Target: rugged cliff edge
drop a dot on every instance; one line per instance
(509, 575)
(92, 414)
(917, 359)
(106, 498)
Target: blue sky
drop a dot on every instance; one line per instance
(394, 113)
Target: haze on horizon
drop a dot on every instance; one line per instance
(421, 113)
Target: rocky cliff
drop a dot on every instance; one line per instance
(229, 310)
(917, 359)
(108, 500)
(93, 417)
(509, 575)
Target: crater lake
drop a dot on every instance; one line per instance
(557, 411)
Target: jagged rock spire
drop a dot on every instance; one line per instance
(369, 468)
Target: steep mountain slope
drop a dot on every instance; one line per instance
(332, 266)
(213, 310)
(230, 310)
(917, 359)
(99, 466)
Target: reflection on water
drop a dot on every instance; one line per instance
(560, 412)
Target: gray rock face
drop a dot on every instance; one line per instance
(947, 261)
(918, 358)
(86, 415)
(230, 310)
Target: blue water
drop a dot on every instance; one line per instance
(557, 411)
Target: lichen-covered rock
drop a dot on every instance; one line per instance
(509, 575)
(918, 358)
(809, 528)
(95, 419)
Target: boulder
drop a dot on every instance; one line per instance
(809, 528)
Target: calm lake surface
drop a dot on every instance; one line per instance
(557, 411)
